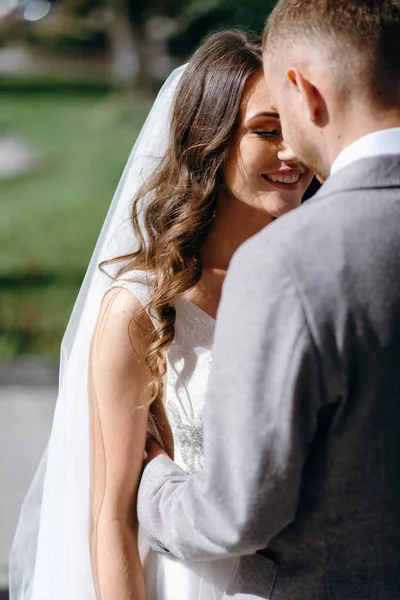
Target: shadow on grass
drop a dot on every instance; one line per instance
(24, 280)
(34, 312)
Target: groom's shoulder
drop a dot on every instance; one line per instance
(303, 237)
(272, 252)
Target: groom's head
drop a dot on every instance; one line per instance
(332, 67)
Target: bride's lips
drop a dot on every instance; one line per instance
(288, 180)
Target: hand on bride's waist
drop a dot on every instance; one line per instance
(152, 450)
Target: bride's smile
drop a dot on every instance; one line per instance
(261, 170)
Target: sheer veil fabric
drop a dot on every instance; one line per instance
(50, 557)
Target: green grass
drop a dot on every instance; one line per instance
(50, 220)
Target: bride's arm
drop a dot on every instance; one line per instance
(119, 408)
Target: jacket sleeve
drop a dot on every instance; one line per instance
(263, 398)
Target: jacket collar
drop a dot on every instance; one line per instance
(378, 172)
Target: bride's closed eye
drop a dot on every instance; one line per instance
(268, 134)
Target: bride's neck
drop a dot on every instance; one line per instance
(234, 223)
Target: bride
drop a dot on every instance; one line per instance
(209, 170)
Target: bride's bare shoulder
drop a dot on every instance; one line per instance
(122, 327)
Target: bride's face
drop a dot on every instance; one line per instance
(261, 170)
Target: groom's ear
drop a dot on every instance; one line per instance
(310, 96)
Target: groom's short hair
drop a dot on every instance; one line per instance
(359, 38)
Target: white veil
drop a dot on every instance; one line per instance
(50, 555)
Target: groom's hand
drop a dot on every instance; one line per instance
(152, 450)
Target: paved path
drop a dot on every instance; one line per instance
(25, 420)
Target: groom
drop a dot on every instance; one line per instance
(302, 425)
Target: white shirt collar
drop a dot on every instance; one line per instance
(379, 143)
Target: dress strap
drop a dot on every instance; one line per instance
(140, 284)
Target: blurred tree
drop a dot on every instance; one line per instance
(151, 24)
(202, 17)
(140, 31)
(114, 16)
(124, 47)
(248, 13)
(131, 25)
(151, 21)
(81, 8)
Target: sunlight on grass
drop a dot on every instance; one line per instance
(50, 220)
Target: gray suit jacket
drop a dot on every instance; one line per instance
(302, 423)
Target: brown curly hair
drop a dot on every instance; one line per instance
(184, 189)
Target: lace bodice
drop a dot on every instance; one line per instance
(188, 367)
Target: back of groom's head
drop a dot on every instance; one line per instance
(358, 39)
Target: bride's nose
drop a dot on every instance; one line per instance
(286, 154)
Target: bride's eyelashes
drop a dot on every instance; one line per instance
(267, 134)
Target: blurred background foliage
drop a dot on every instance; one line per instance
(77, 78)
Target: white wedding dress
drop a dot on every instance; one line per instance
(50, 558)
(188, 366)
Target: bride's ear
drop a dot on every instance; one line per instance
(309, 96)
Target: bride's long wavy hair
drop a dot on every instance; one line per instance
(182, 192)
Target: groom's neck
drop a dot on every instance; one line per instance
(359, 123)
